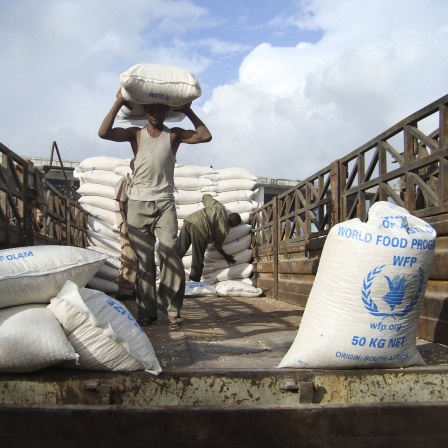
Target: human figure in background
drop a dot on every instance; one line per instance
(210, 224)
(151, 207)
(127, 278)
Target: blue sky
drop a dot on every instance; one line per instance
(288, 86)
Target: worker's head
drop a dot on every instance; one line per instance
(234, 220)
(156, 113)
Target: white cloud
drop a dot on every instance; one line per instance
(222, 48)
(295, 110)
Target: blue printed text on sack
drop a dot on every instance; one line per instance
(16, 256)
(159, 96)
(386, 240)
(354, 234)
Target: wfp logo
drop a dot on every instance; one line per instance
(397, 287)
(159, 96)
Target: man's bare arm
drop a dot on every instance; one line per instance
(201, 134)
(117, 134)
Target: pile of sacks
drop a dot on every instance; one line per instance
(49, 318)
(99, 177)
(233, 187)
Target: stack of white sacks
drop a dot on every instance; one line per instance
(49, 318)
(233, 187)
(99, 177)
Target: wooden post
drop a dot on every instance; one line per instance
(275, 224)
(335, 184)
(410, 150)
(443, 143)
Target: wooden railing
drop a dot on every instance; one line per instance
(32, 211)
(406, 165)
(411, 172)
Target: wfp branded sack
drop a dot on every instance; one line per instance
(365, 302)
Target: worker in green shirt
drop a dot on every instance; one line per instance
(211, 224)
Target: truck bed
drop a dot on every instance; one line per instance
(239, 333)
(225, 333)
(220, 386)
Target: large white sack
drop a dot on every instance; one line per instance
(241, 206)
(102, 227)
(232, 248)
(91, 189)
(184, 210)
(235, 195)
(107, 216)
(364, 305)
(235, 271)
(99, 202)
(227, 185)
(102, 284)
(235, 288)
(100, 177)
(192, 183)
(107, 272)
(104, 163)
(159, 84)
(31, 339)
(113, 259)
(244, 256)
(232, 173)
(182, 197)
(123, 171)
(35, 274)
(193, 171)
(96, 239)
(237, 232)
(247, 281)
(102, 331)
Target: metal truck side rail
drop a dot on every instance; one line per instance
(32, 211)
(406, 165)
